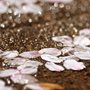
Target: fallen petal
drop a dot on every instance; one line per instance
(67, 50)
(29, 64)
(54, 67)
(32, 70)
(23, 79)
(8, 72)
(85, 32)
(83, 55)
(15, 61)
(10, 54)
(50, 58)
(2, 83)
(51, 51)
(30, 54)
(73, 65)
(65, 40)
(81, 40)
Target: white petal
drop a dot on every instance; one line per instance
(23, 79)
(50, 58)
(29, 64)
(81, 40)
(2, 83)
(10, 54)
(6, 88)
(15, 61)
(51, 51)
(3, 8)
(30, 54)
(73, 65)
(61, 38)
(65, 40)
(8, 72)
(83, 55)
(69, 57)
(32, 8)
(54, 67)
(66, 50)
(32, 70)
(85, 32)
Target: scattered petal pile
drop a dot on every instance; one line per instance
(23, 65)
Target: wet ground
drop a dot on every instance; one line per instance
(33, 32)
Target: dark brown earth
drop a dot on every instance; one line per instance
(33, 32)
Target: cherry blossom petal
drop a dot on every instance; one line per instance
(83, 55)
(30, 54)
(15, 61)
(62, 1)
(2, 83)
(6, 88)
(65, 40)
(3, 8)
(23, 79)
(85, 32)
(8, 72)
(66, 50)
(51, 51)
(81, 40)
(73, 65)
(31, 70)
(50, 58)
(10, 54)
(54, 67)
(29, 64)
(69, 57)
(31, 8)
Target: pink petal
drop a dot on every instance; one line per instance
(2, 83)
(30, 54)
(10, 54)
(51, 51)
(83, 55)
(23, 79)
(66, 50)
(8, 72)
(29, 64)
(73, 65)
(50, 58)
(69, 57)
(15, 61)
(54, 67)
(32, 70)
(81, 40)
(65, 40)
(85, 32)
